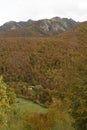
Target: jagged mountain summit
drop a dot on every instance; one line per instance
(44, 27)
(12, 25)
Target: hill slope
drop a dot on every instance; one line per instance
(36, 59)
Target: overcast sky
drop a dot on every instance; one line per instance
(18, 10)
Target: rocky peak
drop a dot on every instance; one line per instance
(40, 27)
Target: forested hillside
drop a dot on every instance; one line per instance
(57, 69)
(35, 59)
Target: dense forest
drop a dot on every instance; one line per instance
(56, 69)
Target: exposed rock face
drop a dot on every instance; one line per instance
(56, 25)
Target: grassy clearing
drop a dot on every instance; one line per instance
(25, 105)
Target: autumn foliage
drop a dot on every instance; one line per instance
(57, 64)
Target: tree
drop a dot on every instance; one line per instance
(4, 103)
(7, 98)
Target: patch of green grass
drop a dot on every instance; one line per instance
(25, 105)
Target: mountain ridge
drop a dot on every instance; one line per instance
(43, 27)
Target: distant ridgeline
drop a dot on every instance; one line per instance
(45, 27)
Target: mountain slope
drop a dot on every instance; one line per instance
(34, 59)
(45, 27)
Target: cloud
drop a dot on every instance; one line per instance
(38, 9)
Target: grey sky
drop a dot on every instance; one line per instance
(18, 10)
